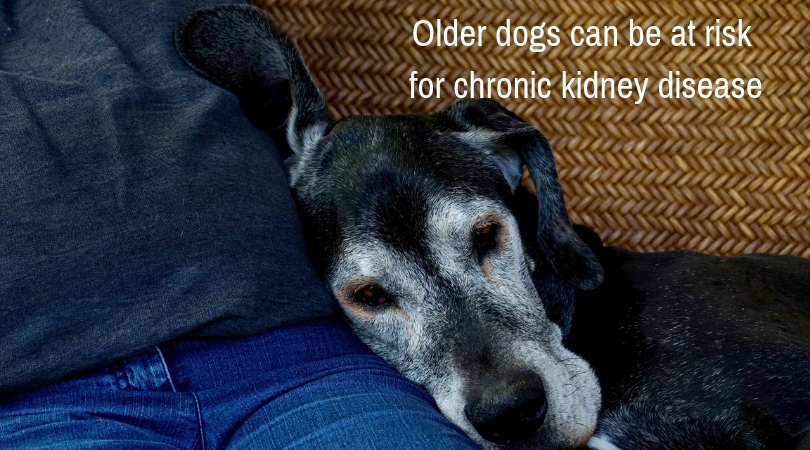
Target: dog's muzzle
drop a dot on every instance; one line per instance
(509, 412)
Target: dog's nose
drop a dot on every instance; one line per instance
(511, 414)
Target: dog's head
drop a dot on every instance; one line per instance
(444, 237)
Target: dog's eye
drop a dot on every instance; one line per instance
(485, 238)
(371, 295)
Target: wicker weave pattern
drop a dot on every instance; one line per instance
(724, 176)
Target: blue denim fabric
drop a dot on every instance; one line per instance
(312, 385)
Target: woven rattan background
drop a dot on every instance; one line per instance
(720, 176)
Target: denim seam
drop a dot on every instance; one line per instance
(199, 419)
(166, 369)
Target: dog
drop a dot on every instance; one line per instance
(446, 241)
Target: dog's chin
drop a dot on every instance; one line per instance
(573, 397)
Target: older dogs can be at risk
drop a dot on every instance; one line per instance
(446, 241)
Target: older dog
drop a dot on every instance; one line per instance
(447, 259)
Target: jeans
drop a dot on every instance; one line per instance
(311, 385)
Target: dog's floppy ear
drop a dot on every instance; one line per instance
(514, 143)
(241, 49)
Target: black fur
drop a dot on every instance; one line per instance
(260, 71)
(699, 351)
(560, 246)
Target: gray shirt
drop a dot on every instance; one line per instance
(137, 203)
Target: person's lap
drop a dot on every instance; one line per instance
(312, 385)
(135, 195)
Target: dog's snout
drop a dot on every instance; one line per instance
(509, 414)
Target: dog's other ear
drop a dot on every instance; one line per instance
(514, 143)
(241, 49)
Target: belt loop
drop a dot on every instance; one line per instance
(148, 372)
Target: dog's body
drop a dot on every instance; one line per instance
(443, 261)
(698, 352)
